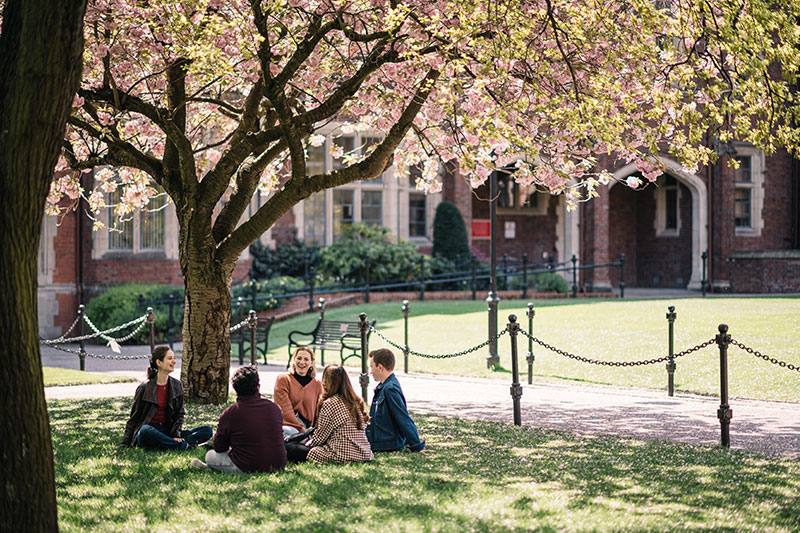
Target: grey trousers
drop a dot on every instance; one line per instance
(221, 462)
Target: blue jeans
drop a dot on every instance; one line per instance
(155, 437)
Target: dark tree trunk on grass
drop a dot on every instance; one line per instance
(41, 43)
(207, 316)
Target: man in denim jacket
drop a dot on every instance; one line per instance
(390, 427)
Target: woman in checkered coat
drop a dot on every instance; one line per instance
(341, 421)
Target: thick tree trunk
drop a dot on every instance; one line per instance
(206, 358)
(40, 60)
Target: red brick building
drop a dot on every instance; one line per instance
(747, 219)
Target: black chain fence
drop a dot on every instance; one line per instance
(617, 363)
(782, 364)
(439, 356)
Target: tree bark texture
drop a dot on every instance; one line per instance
(206, 354)
(41, 43)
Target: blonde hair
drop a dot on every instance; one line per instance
(312, 371)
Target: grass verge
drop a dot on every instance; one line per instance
(55, 377)
(612, 330)
(477, 476)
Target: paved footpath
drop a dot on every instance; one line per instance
(761, 426)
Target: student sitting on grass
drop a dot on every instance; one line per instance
(297, 393)
(342, 418)
(157, 412)
(390, 427)
(249, 436)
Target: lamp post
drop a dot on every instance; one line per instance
(493, 358)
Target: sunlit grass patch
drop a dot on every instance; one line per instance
(612, 330)
(476, 476)
(54, 377)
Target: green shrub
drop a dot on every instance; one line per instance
(551, 282)
(389, 259)
(287, 259)
(264, 293)
(450, 234)
(120, 304)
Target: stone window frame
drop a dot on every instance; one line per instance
(101, 238)
(756, 187)
(394, 197)
(661, 208)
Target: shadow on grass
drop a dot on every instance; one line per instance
(476, 476)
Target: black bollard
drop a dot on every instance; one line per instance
(704, 281)
(405, 346)
(574, 260)
(364, 378)
(253, 322)
(516, 388)
(81, 332)
(151, 319)
(530, 357)
(622, 276)
(724, 413)
(671, 316)
(524, 276)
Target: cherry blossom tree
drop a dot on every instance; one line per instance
(212, 100)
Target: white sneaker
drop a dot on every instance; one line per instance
(198, 464)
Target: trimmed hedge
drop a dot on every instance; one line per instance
(120, 304)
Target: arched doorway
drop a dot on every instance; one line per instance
(662, 230)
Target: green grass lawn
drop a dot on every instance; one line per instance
(476, 476)
(613, 330)
(54, 377)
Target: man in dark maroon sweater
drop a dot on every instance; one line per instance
(249, 436)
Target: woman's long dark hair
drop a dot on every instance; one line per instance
(336, 382)
(159, 354)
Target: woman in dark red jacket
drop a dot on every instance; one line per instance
(157, 412)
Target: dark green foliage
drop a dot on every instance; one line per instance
(551, 282)
(450, 234)
(287, 259)
(265, 293)
(389, 259)
(120, 304)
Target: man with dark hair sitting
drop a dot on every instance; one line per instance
(249, 436)
(390, 426)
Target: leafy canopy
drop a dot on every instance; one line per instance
(215, 99)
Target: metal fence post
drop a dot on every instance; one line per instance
(311, 287)
(574, 276)
(171, 323)
(516, 388)
(422, 278)
(405, 346)
(240, 309)
(724, 413)
(505, 272)
(530, 357)
(366, 275)
(704, 281)
(671, 316)
(524, 276)
(364, 378)
(151, 319)
(253, 320)
(81, 332)
(474, 276)
(622, 276)
(322, 317)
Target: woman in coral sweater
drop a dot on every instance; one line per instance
(297, 393)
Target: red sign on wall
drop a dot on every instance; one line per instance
(481, 229)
